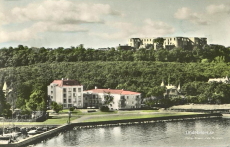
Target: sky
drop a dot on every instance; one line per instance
(108, 23)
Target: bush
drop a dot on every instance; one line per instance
(71, 108)
(104, 108)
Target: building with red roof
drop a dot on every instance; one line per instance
(122, 99)
(67, 92)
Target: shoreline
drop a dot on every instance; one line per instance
(49, 134)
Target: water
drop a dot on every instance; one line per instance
(209, 132)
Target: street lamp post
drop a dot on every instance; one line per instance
(69, 117)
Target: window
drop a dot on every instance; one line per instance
(127, 97)
(69, 105)
(51, 92)
(51, 87)
(64, 89)
(74, 94)
(64, 95)
(74, 89)
(70, 89)
(69, 100)
(79, 89)
(79, 97)
(64, 100)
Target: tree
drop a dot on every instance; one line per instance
(108, 99)
(37, 101)
(56, 107)
(4, 106)
(156, 91)
(159, 42)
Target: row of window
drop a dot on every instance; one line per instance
(70, 89)
(70, 101)
(94, 102)
(74, 95)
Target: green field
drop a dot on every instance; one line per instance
(54, 120)
(62, 118)
(133, 116)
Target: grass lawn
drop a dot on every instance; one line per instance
(134, 116)
(55, 120)
(84, 112)
(149, 110)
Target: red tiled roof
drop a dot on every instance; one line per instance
(114, 91)
(61, 83)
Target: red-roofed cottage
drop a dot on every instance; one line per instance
(122, 99)
(67, 92)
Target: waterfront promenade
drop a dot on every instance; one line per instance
(131, 117)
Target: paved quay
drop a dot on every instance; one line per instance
(202, 106)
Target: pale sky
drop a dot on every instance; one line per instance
(108, 23)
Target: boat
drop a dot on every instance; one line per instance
(32, 132)
(5, 137)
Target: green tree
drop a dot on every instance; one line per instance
(56, 107)
(108, 99)
(4, 106)
(159, 42)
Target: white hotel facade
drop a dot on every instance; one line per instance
(67, 92)
(122, 99)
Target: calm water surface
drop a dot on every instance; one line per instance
(212, 132)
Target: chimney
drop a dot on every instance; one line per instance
(95, 87)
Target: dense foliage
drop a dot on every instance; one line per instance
(4, 106)
(57, 107)
(31, 81)
(23, 56)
